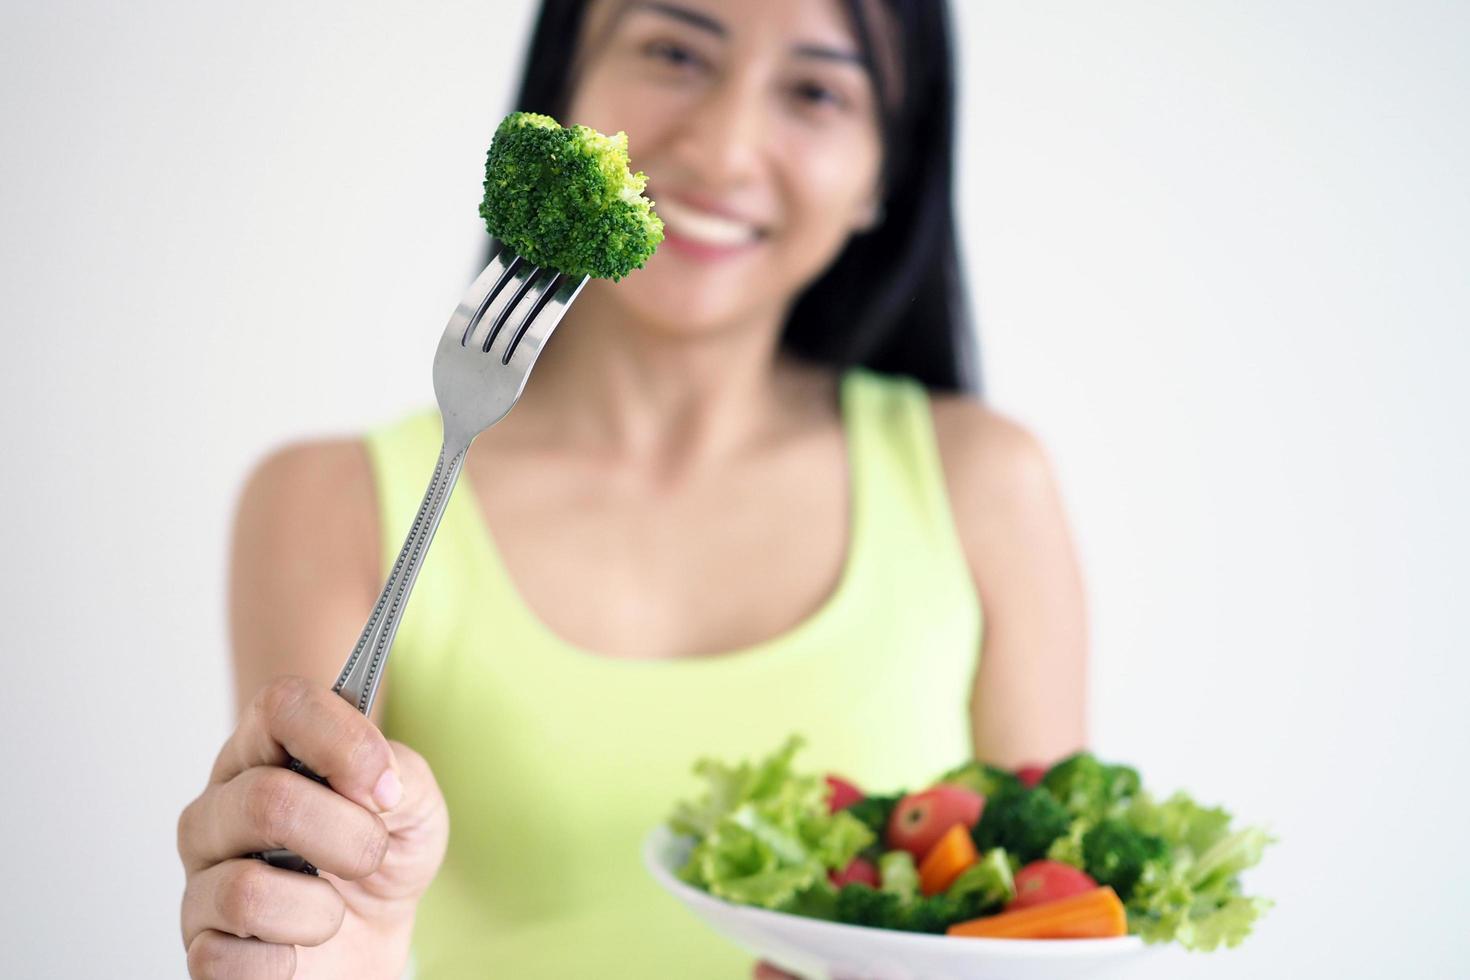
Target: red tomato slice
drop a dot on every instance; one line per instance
(857, 870)
(920, 819)
(1030, 776)
(841, 793)
(1046, 881)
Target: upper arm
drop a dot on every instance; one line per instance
(1029, 700)
(303, 565)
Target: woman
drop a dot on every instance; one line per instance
(744, 494)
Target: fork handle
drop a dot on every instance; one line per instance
(358, 682)
(363, 671)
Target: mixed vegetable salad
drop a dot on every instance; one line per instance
(1076, 850)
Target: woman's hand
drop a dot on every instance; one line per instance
(377, 835)
(765, 971)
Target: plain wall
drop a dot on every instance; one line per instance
(1217, 253)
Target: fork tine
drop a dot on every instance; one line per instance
(505, 310)
(505, 276)
(547, 293)
(535, 328)
(481, 293)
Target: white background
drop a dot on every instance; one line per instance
(1218, 254)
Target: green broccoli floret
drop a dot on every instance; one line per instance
(1023, 821)
(988, 883)
(875, 811)
(983, 778)
(1090, 788)
(898, 874)
(936, 913)
(563, 198)
(1068, 847)
(1115, 853)
(861, 905)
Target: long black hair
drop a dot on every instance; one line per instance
(893, 300)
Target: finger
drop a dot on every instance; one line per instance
(292, 717)
(267, 807)
(217, 956)
(765, 971)
(251, 899)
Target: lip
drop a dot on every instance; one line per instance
(705, 251)
(699, 201)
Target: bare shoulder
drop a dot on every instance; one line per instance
(304, 565)
(998, 474)
(316, 492)
(984, 451)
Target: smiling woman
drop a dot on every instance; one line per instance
(748, 491)
(813, 142)
(758, 127)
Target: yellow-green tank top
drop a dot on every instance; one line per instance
(556, 761)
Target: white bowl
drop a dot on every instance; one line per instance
(815, 948)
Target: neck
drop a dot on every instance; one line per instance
(638, 393)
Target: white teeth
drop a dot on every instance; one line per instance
(703, 227)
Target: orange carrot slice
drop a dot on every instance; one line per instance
(951, 854)
(1096, 914)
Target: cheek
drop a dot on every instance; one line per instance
(826, 193)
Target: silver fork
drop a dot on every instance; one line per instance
(480, 369)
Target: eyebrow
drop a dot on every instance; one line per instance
(707, 23)
(830, 54)
(691, 17)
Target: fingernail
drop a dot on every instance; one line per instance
(388, 791)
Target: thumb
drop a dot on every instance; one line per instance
(421, 799)
(418, 826)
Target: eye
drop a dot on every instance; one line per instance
(815, 94)
(673, 54)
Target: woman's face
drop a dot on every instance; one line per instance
(757, 126)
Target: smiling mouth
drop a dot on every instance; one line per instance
(704, 227)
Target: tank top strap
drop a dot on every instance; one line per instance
(900, 470)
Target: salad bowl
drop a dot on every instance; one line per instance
(814, 948)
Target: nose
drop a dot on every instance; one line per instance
(722, 140)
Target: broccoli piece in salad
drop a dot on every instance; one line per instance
(983, 778)
(988, 883)
(862, 905)
(562, 197)
(899, 874)
(937, 913)
(1023, 821)
(1090, 788)
(1115, 853)
(874, 812)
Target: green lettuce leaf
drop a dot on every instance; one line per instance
(769, 780)
(763, 835)
(1193, 896)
